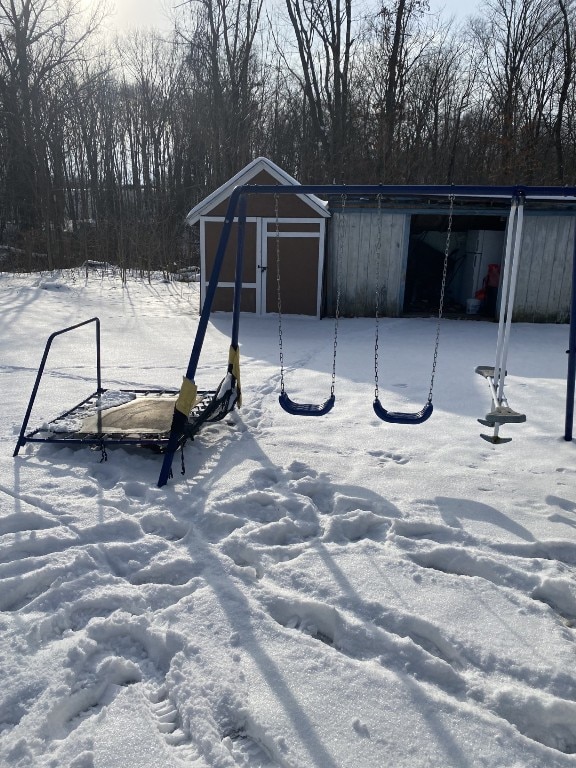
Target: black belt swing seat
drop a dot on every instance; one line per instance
(400, 417)
(306, 409)
(286, 402)
(403, 417)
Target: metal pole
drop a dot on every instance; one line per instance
(179, 420)
(409, 191)
(510, 300)
(21, 436)
(212, 285)
(239, 271)
(508, 258)
(571, 377)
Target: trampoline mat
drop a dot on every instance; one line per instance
(140, 416)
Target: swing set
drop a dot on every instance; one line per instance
(165, 419)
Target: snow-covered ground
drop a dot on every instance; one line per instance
(327, 592)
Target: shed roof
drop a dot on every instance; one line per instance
(243, 177)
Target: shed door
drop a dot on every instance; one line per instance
(299, 246)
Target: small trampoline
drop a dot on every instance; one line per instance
(139, 417)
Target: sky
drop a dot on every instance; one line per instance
(152, 13)
(458, 8)
(140, 13)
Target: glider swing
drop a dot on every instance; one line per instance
(128, 417)
(401, 417)
(495, 375)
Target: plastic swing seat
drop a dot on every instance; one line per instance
(288, 405)
(305, 409)
(416, 417)
(501, 413)
(399, 417)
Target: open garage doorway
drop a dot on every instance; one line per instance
(475, 259)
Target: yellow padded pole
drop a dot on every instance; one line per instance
(187, 397)
(234, 368)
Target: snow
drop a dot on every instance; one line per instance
(329, 592)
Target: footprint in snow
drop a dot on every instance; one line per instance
(164, 524)
(135, 490)
(266, 477)
(25, 521)
(538, 716)
(386, 456)
(170, 725)
(355, 526)
(413, 645)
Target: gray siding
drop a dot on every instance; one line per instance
(354, 263)
(545, 270)
(544, 284)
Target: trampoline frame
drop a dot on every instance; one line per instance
(89, 407)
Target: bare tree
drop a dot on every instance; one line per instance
(323, 33)
(509, 35)
(397, 40)
(567, 48)
(437, 96)
(39, 39)
(224, 63)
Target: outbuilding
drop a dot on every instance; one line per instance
(291, 228)
(356, 246)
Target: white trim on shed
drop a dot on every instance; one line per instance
(243, 177)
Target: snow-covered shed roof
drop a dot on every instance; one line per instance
(244, 177)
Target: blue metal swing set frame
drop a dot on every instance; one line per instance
(182, 427)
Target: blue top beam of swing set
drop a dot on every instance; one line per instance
(566, 194)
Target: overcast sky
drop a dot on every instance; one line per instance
(139, 13)
(458, 8)
(152, 13)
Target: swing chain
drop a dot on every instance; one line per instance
(378, 250)
(442, 292)
(278, 291)
(339, 261)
